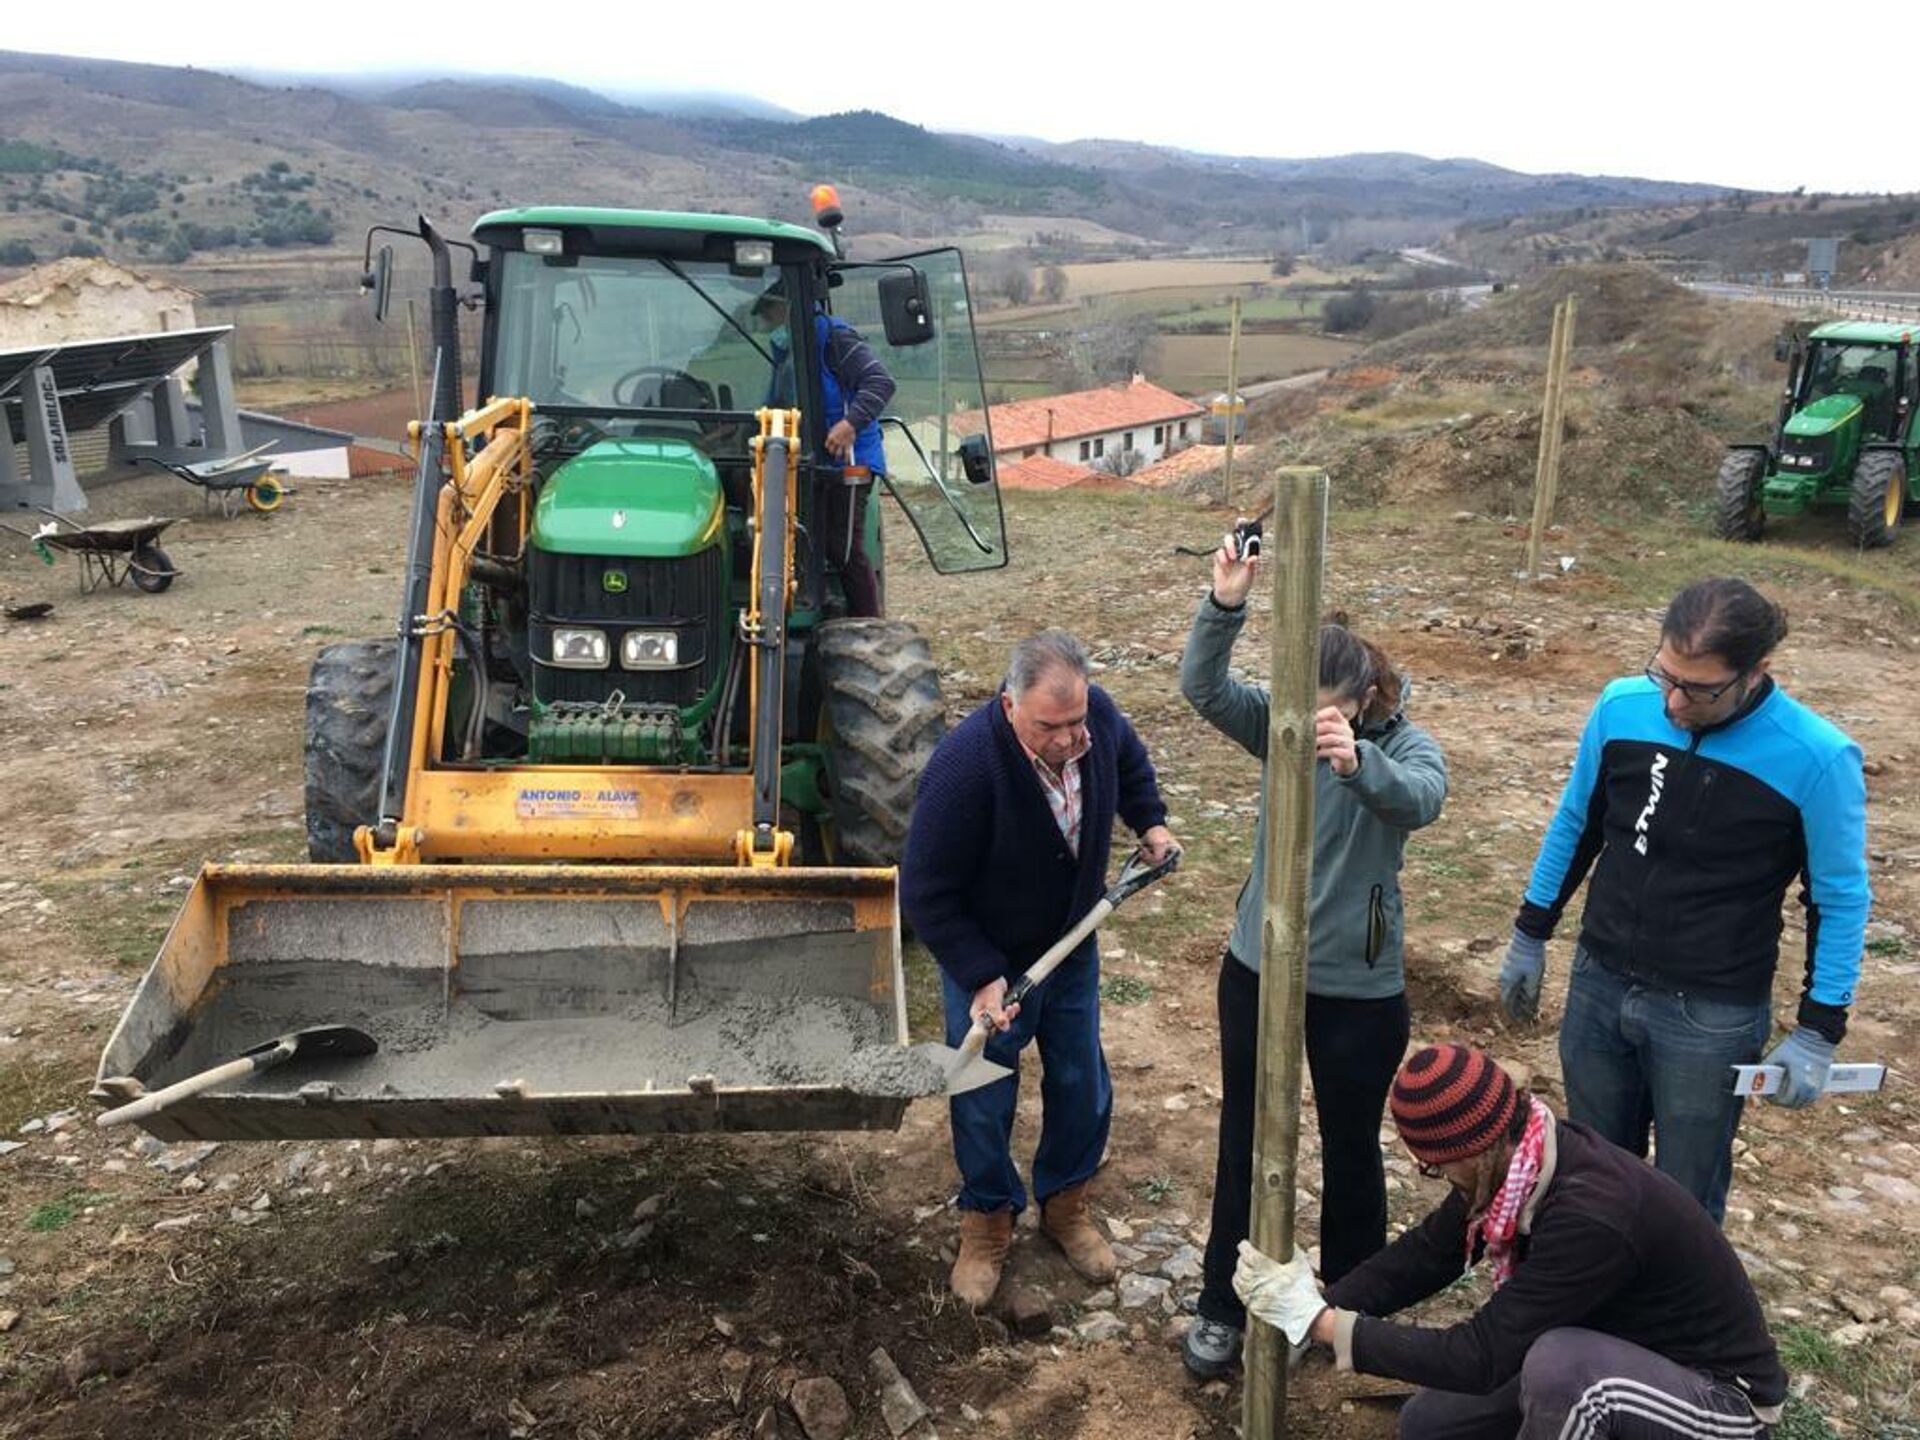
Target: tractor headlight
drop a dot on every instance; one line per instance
(543, 242)
(753, 254)
(650, 650)
(580, 649)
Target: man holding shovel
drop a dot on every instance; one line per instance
(1008, 848)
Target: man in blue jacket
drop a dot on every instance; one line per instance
(1008, 848)
(1700, 792)
(855, 388)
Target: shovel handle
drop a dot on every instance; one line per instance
(181, 1089)
(1134, 877)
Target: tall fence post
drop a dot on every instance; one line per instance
(1546, 478)
(1296, 549)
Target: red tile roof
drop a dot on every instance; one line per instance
(1019, 424)
(1188, 464)
(1041, 472)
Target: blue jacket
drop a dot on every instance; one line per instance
(854, 386)
(1693, 839)
(987, 881)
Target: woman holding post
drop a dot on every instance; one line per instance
(1379, 778)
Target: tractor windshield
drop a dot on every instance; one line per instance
(1863, 371)
(619, 333)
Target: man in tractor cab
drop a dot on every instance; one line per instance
(856, 388)
(1700, 792)
(1007, 849)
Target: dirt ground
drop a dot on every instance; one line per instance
(679, 1287)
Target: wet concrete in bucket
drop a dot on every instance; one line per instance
(437, 1047)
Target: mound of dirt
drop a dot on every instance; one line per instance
(1648, 459)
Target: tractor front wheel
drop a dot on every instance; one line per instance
(881, 716)
(1879, 498)
(1738, 513)
(349, 696)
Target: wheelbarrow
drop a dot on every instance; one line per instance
(110, 553)
(240, 477)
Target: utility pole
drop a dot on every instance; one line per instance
(1546, 479)
(1297, 541)
(1233, 397)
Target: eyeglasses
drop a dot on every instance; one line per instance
(1691, 690)
(1428, 1170)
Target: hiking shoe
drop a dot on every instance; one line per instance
(1210, 1349)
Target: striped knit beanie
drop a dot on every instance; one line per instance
(1450, 1102)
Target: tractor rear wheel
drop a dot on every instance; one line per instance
(1879, 498)
(349, 696)
(881, 716)
(1738, 513)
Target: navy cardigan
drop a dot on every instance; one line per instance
(988, 883)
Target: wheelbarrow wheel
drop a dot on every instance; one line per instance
(266, 494)
(151, 570)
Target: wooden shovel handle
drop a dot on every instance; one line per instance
(181, 1089)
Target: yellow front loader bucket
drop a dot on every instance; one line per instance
(527, 1000)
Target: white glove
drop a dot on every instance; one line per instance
(1285, 1296)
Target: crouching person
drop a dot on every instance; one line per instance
(1618, 1308)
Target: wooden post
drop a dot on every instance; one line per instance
(413, 362)
(1233, 391)
(1560, 409)
(1296, 544)
(1546, 477)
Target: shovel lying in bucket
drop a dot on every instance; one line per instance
(965, 1067)
(319, 1042)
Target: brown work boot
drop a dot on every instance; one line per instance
(1069, 1224)
(985, 1238)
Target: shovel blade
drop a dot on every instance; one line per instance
(963, 1072)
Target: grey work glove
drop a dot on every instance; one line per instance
(1520, 977)
(1807, 1055)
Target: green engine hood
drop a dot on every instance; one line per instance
(1824, 416)
(645, 497)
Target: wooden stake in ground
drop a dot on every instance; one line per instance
(1295, 546)
(413, 362)
(1546, 478)
(1233, 395)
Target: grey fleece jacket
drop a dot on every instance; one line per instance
(1360, 824)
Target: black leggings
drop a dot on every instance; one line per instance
(1353, 1049)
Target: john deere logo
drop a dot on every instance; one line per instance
(614, 582)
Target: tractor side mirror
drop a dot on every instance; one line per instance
(976, 460)
(906, 308)
(1782, 349)
(380, 281)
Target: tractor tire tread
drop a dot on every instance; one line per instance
(349, 698)
(882, 690)
(1876, 472)
(1737, 512)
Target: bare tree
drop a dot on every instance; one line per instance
(1117, 348)
(1053, 284)
(1120, 463)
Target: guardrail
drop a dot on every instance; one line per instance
(1890, 305)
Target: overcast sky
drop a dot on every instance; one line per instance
(1679, 90)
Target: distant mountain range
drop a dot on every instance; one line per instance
(207, 157)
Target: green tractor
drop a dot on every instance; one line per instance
(622, 612)
(1846, 436)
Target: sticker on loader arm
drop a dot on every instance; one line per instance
(583, 803)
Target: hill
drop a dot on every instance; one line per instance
(154, 163)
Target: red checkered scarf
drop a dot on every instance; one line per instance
(1499, 1223)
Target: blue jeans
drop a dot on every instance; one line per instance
(1076, 1093)
(1636, 1055)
